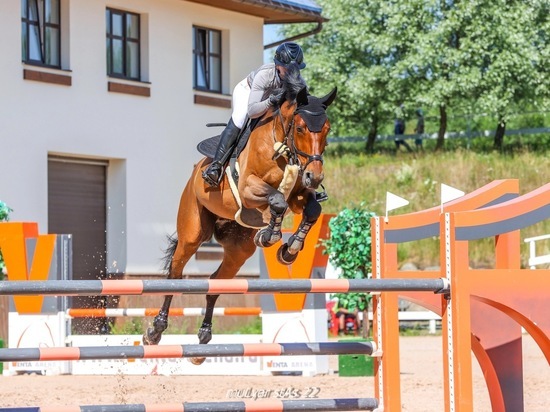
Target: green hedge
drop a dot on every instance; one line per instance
(4, 217)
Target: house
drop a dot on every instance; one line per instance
(102, 106)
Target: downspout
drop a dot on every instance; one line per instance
(296, 37)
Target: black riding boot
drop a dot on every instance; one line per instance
(213, 173)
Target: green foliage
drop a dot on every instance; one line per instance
(251, 328)
(130, 327)
(454, 59)
(4, 212)
(4, 217)
(354, 54)
(416, 329)
(349, 249)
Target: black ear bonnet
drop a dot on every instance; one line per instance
(314, 114)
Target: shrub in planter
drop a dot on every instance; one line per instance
(349, 249)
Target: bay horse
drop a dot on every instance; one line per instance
(285, 149)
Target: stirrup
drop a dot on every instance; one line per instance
(321, 196)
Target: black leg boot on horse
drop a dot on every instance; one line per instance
(288, 252)
(214, 172)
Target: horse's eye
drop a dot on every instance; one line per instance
(300, 129)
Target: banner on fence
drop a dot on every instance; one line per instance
(35, 331)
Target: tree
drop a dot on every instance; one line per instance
(441, 55)
(383, 54)
(509, 40)
(353, 52)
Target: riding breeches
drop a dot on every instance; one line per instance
(241, 93)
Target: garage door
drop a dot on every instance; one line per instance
(77, 206)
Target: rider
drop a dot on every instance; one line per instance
(256, 89)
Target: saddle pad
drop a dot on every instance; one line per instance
(208, 146)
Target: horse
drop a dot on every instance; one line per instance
(280, 169)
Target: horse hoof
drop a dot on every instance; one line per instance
(197, 361)
(259, 238)
(205, 335)
(147, 338)
(284, 257)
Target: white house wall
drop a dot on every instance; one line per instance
(149, 141)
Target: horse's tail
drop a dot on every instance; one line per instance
(169, 252)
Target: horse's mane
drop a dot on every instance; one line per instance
(293, 81)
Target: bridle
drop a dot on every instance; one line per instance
(288, 148)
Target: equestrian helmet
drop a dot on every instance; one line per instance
(289, 52)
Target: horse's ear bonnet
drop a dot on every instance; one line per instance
(313, 109)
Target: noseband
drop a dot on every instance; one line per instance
(289, 144)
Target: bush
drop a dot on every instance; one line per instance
(349, 249)
(4, 217)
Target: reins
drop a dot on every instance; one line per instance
(288, 147)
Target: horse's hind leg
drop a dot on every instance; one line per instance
(195, 225)
(238, 246)
(288, 252)
(160, 323)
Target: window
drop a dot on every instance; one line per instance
(41, 32)
(207, 59)
(123, 44)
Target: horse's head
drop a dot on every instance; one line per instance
(306, 133)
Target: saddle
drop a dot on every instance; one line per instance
(208, 147)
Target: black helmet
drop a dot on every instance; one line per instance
(289, 52)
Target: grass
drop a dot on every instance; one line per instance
(130, 327)
(417, 332)
(137, 327)
(352, 178)
(254, 327)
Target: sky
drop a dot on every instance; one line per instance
(270, 36)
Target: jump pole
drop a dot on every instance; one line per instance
(302, 405)
(217, 286)
(183, 351)
(148, 312)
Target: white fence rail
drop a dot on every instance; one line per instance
(534, 259)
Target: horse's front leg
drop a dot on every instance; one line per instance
(271, 234)
(288, 252)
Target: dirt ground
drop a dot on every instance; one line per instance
(421, 381)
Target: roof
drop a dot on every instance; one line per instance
(272, 11)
